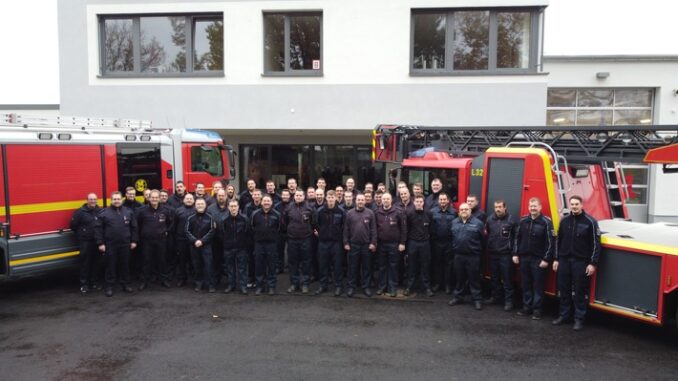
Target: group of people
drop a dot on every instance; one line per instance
(342, 237)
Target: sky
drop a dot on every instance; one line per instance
(29, 51)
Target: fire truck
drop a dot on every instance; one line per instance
(48, 165)
(638, 272)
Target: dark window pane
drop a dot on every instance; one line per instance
(118, 45)
(429, 41)
(633, 98)
(208, 45)
(595, 98)
(471, 40)
(513, 40)
(561, 97)
(594, 117)
(560, 117)
(163, 44)
(274, 43)
(304, 42)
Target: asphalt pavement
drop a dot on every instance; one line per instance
(49, 331)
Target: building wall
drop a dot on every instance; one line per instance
(656, 72)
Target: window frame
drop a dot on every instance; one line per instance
(536, 31)
(191, 18)
(289, 72)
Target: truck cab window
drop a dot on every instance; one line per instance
(207, 159)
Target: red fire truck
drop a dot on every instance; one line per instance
(48, 165)
(638, 272)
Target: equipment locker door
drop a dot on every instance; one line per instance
(138, 166)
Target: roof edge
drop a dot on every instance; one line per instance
(613, 58)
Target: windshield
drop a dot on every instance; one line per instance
(449, 178)
(207, 159)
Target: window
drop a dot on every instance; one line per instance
(475, 41)
(636, 179)
(293, 43)
(601, 106)
(207, 159)
(449, 177)
(157, 45)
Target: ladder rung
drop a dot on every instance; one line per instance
(616, 203)
(610, 186)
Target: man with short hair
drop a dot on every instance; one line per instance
(321, 183)
(216, 186)
(350, 185)
(381, 187)
(476, 212)
(266, 228)
(236, 233)
(377, 200)
(442, 256)
(502, 230)
(468, 242)
(329, 228)
(418, 246)
(181, 243)
(270, 190)
(369, 200)
(369, 187)
(405, 204)
(339, 191)
(285, 198)
(310, 196)
(115, 234)
(418, 190)
(348, 201)
(392, 237)
(360, 240)
(292, 185)
(535, 248)
(576, 261)
(154, 221)
(83, 225)
(164, 197)
(147, 196)
(131, 199)
(245, 196)
(298, 218)
(396, 192)
(200, 231)
(177, 199)
(436, 188)
(200, 192)
(219, 212)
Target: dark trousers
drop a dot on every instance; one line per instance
(154, 252)
(299, 260)
(250, 263)
(266, 257)
(282, 242)
(183, 259)
(572, 277)
(90, 263)
(359, 256)
(218, 258)
(532, 282)
(117, 264)
(389, 257)
(467, 270)
(171, 257)
(419, 253)
(330, 255)
(201, 257)
(501, 269)
(315, 263)
(442, 263)
(235, 267)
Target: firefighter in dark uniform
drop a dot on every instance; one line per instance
(266, 228)
(476, 212)
(298, 220)
(130, 199)
(436, 189)
(171, 257)
(502, 231)
(218, 211)
(535, 248)
(419, 245)
(360, 240)
(270, 190)
(468, 244)
(442, 256)
(576, 261)
(116, 234)
(282, 237)
(249, 209)
(154, 221)
(131, 203)
(200, 192)
(392, 234)
(177, 199)
(181, 244)
(200, 228)
(245, 196)
(83, 224)
(236, 234)
(329, 228)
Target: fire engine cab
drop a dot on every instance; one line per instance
(48, 165)
(638, 270)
